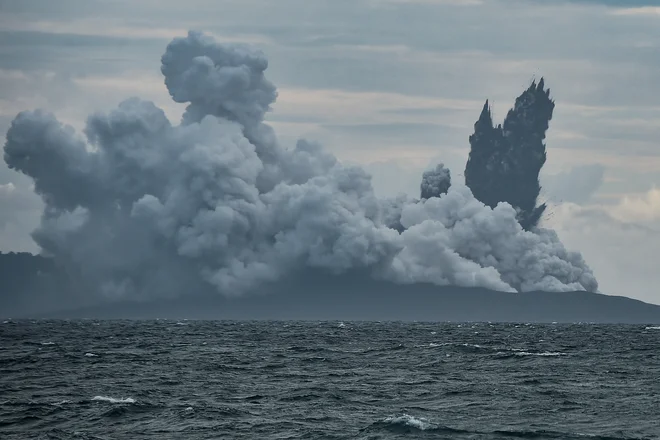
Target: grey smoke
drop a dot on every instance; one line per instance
(141, 207)
(435, 182)
(220, 80)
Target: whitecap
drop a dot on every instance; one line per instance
(181, 323)
(90, 355)
(545, 353)
(62, 402)
(190, 408)
(653, 327)
(408, 420)
(47, 343)
(112, 399)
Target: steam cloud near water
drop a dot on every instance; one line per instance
(141, 207)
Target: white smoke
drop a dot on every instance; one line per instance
(143, 207)
(455, 239)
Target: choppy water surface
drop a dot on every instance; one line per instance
(277, 380)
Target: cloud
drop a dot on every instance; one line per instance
(143, 207)
(644, 208)
(435, 182)
(611, 3)
(644, 11)
(604, 83)
(19, 216)
(407, 177)
(576, 185)
(620, 241)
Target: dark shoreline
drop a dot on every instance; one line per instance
(321, 297)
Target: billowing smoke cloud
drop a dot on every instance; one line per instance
(435, 182)
(505, 161)
(140, 206)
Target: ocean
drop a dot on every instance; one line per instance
(168, 379)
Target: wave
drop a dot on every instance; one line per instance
(545, 353)
(113, 400)
(410, 421)
(653, 327)
(60, 403)
(498, 351)
(407, 424)
(457, 345)
(543, 434)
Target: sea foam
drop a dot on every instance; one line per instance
(113, 400)
(411, 421)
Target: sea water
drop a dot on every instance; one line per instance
(166, 379)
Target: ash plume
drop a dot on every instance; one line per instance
(140, 207)
(505, 161)
(435, 182)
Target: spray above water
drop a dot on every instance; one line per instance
(140, 207)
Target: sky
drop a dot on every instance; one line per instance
(393, 85)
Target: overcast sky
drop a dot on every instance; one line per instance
(395, 85)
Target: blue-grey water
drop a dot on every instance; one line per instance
(327, 380)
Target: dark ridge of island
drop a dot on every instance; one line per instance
(32, 287)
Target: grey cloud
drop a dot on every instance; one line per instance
(623, 181)
(403, 129)
(402, 132)
(142, 207)
(435, 182)
(74, 55)
(20, 211)
(42, 148)
(623, 255)
(226, 81)
(349, 55)
(424, 111)
(406, 180)
(576, 185)
(612, 3)
(440, 229)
